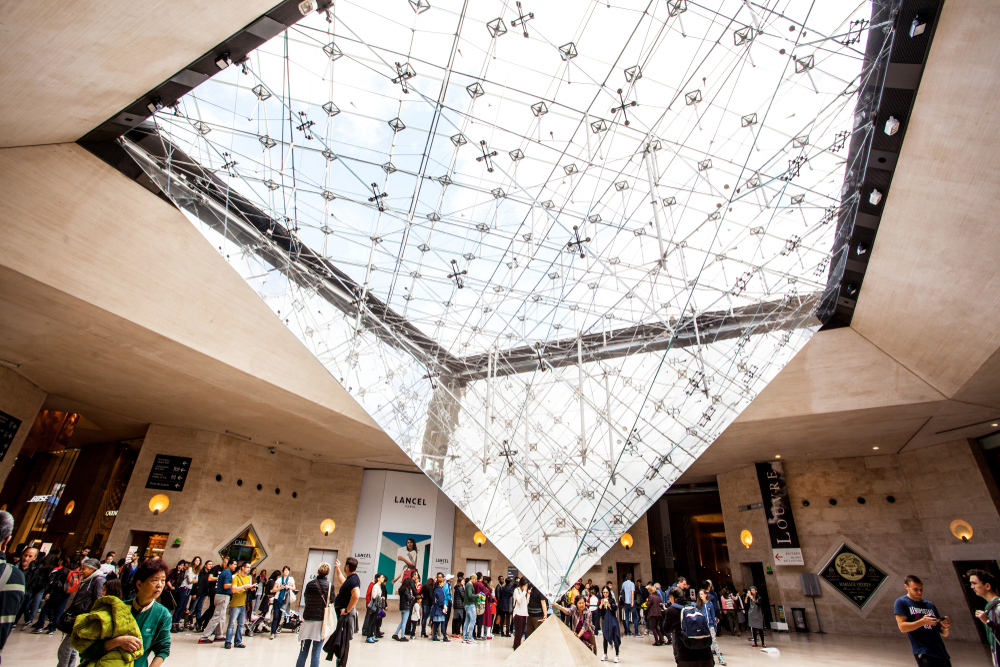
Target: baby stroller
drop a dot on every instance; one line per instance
(255, 624)
(292, 621)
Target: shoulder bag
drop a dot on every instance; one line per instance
(329, 615)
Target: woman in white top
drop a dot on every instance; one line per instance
(190, 584)
(283, 591)
(520, 610)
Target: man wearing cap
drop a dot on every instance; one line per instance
(91, 588)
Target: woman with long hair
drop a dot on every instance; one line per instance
(370, 627)
(192, 578)
(407, 596)
(755, 616)
(426, 603)
(281, 589)
(583, 626)
(520, 610)
(607, 611)
(152, 618)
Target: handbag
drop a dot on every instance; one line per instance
(329, 616)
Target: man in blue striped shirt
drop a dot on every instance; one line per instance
(11, 582)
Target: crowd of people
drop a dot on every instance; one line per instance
(131, 608)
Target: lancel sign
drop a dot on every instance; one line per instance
(409, 502)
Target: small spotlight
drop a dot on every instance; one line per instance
(861, 249)
(874, 447)
(223, 61)
(307, 6)
(994, 425)
(777, 456)
(918, 26)
(875, 197)
(891, 126)
(851, 290)
(154, 105)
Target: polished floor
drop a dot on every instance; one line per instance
(26, 650)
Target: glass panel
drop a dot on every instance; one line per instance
(554, 253)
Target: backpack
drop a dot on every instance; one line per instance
(72, 582)
(694, 633)
(480, 604)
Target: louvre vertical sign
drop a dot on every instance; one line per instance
(778, 511)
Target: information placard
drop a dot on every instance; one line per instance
(8, 429)
(168, 473)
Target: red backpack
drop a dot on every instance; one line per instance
(72, 582)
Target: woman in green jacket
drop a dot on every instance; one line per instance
(152, 618)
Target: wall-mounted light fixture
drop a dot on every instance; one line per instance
(961, 529)
(70, 506)
(158, 503)
(328, 526)
(479, 538)
(746, 538)
(627, 541)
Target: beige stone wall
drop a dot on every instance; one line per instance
(207, 513)
(932, 487)
(465, 549)
(21, 399)
(638, 553)
(736, 489)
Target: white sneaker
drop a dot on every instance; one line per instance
(616, 659)
(604, 659)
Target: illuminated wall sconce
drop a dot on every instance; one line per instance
(627, 541)
(746, 538)
(961, 529)
(479, 538)
(70, 507)
(158, 503)
(328, 526)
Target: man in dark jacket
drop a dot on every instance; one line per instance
(91, 588)
(35, 579)
(683, 656)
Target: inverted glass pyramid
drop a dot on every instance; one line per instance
(553, 251)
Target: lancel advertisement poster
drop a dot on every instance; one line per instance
(405, 525)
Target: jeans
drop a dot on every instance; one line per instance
(470, 622)
(312, 648)
(277, 614)
(237, 615)
(197, 603)
(426, 609)
(631, 614)
(401, 629)
(53, 610)
(32, 601)
(215, 625)
(182, 602)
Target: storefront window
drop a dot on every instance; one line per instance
(245, 547)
